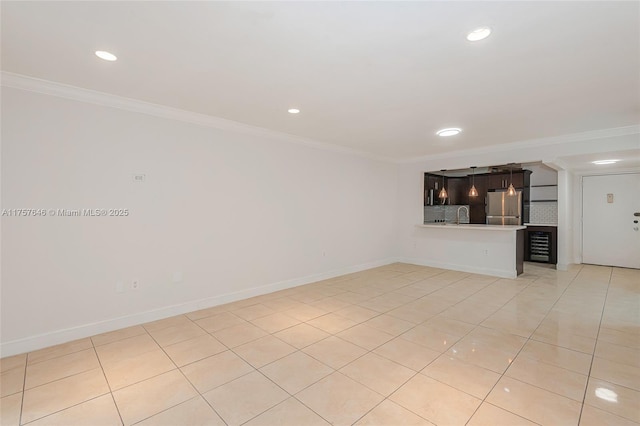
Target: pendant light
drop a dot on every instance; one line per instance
(511, 191)
(473, 192)
(443, 192)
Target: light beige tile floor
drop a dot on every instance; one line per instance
(396, 345)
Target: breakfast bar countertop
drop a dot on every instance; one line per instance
(474, 226)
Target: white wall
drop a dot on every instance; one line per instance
(541, 174)
(566, 221)
(235, 212)
(230, 211)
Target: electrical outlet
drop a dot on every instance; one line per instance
(486, 252)
(135, 284)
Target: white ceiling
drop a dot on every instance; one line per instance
(379, 77)
(628, 160)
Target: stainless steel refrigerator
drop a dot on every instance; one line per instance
(503, 209)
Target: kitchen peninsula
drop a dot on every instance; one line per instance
(474, 220)
(484, 249)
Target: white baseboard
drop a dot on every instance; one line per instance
(57, 337)
(563, 266)
(502, 273)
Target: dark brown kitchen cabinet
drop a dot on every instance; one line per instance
(458, 190)
(520, 179)
(480, 182)
(432, 182)
(477, 212)
(498, 181)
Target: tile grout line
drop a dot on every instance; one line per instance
(357, 358)
(75, 374)
(258, 369)
(24, 384)
(147, 332)
(107, 381)
(484, 400)
(475, 326)
(263, 375)
(399, 336)
(66, 408)
(385, 398)
(169, 408)
(182, 373)
(334, 370)
(429, 363)
(361, 290)
(593, 356)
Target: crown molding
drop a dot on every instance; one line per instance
(593, 172)
(32, 84)
(531, 143)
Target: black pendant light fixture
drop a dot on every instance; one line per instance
(473, 192)
(443, 192)
(511, 191)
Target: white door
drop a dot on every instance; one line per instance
(611, 220)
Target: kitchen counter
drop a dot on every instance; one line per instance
(541, 224)
(496, 250)
(474, 226)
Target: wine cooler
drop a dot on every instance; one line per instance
(540, 246)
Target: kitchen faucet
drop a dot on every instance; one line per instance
(458, 214)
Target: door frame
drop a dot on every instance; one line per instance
(579, 244)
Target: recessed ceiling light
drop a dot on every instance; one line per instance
(479, 34)
(107, 56)
(293, 110)
(600, 162)
(448, 132)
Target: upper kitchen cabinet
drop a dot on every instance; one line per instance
(498, 180)
(458, 190)
(432, 186)
(477, 213)
(520, 179)
(432, 182)
(481, 182)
